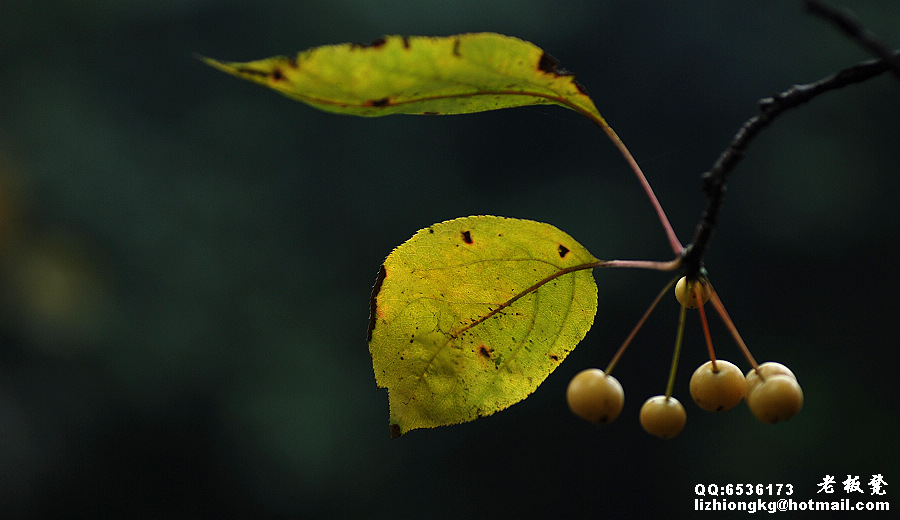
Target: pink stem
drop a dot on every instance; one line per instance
(677, 247)
(669, 265)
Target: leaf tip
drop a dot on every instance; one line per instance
(209, 61)
(226, 67)
(264, 71)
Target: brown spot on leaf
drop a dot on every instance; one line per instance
(554, 358)
(485, 352)
(467, 237)
(383, 102)
(377, 42)
(406, 42)
(395, 431)
(431, 113)
(456, 47)
(548, 63)
(563, 251)
(373, 311)
(277, 75)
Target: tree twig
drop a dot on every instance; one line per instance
(715, 180)
(850, 26)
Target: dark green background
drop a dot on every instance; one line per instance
(187, 259)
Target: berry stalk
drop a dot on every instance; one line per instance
(720, 308)
(637, 327)
(670, 386)
(706, 334)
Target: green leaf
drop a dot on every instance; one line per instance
(420, 75)
(469, 316)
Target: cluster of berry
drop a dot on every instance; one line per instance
(770, 389)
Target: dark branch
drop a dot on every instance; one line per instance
(850, 26)
(715, 180)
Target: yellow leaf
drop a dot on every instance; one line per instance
(469, 316)
(420, 75)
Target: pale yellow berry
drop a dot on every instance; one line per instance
(663, 416)
(776, 399)
(719, 390)
(769, 368)
(595, 396)
(689, 299)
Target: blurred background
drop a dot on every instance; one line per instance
(186, 259)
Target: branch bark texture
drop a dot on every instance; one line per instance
(714, 182)
(850, 26)
(716, 179)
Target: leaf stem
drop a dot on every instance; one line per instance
(598, 120)
(676, 245)
(669, 265)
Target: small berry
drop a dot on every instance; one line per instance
(595, 396)
(776, 399)
(720, 390)
(769, 368)
(689, 299)
(663, 416)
